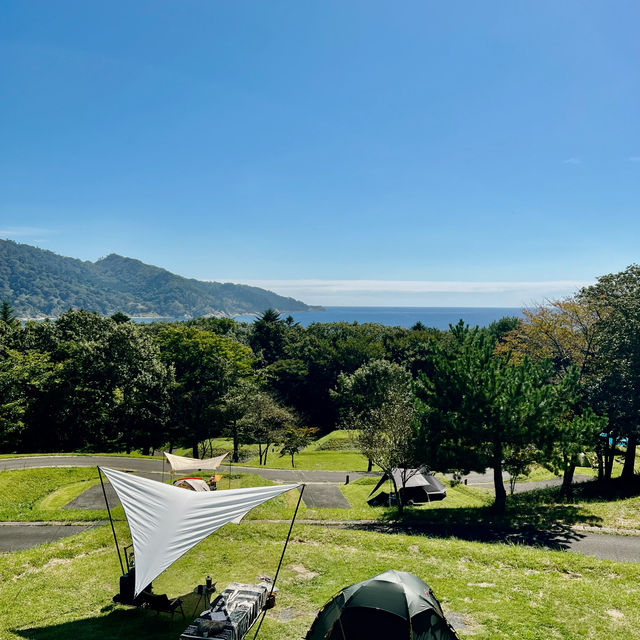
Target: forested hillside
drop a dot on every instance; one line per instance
(41, 283)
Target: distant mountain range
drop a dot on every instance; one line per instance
(40, 283)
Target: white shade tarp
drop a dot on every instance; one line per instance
(181, 463)
(166, 521)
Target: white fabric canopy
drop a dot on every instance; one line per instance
(180, 463)
(166, 521)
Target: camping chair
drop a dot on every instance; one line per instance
(161, 603)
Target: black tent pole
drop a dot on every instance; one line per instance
(273, 584)
(104, 492)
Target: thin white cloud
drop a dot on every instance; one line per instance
(573, 160)
(22, 232)
(418, 292)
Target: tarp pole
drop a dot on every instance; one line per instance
(273, 584)
(104, 492)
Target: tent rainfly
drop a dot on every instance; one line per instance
(394, 604)
(413, 484)
(166, 521)
(192, 484)
(180, 463)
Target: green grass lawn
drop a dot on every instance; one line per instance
(40, 495)
(32, 495)
(333, 452)
(615, 507)
(504, 591)
(63, 590)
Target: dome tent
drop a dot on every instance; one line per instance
(394, 604)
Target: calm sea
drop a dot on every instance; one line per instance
(437, 317)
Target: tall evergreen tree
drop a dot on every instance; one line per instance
(478, 408)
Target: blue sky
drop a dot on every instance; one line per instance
(348, 151)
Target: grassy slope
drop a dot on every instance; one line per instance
(64, 589)
(333, 452)
(40, 494)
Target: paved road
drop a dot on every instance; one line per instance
(566, 539)
(485, 481)
(15, 537)
(608, 547)
(18, 536)
(147, 465)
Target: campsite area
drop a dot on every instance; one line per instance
(500, 582)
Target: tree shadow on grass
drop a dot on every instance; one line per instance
(612, 490)
(119, 622)
(539, 518)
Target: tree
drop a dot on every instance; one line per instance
(518, 462)
(565, 333)
(368, 388)
(499, 328)
(295, 439)
(313, 360)
(22, 380)
(265, 423)
(268, 336)
(478, 407)
(206, 366)
(616, 297)
(376, 401)
(386, 434)
(141, 384)
(120, 317)
(8, 316)
(110, 391)
(236, 405)
(571, 435)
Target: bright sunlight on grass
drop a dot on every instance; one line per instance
(64, 589)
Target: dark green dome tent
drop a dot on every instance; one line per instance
(392, 606)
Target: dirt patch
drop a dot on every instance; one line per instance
(462, 622)
(287, 614)
(615, 614)
(569, 575)
(414, 548)
(56, 561)
(303, 572)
